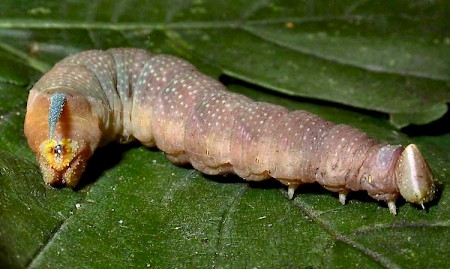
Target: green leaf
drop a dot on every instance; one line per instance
(375, 65)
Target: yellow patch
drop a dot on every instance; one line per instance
(58, 154)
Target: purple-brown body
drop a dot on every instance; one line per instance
(166, 102)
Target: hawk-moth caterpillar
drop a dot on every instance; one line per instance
(94, 97)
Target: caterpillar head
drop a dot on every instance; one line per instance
(414, 178)
(63, 133)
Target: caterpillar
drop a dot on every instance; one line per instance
(94, 97)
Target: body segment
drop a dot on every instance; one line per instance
(163, 101)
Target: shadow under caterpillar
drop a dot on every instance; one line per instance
(94, 97)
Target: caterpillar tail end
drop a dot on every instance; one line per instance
(415, 180)
(63, 132)
(61, 162)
